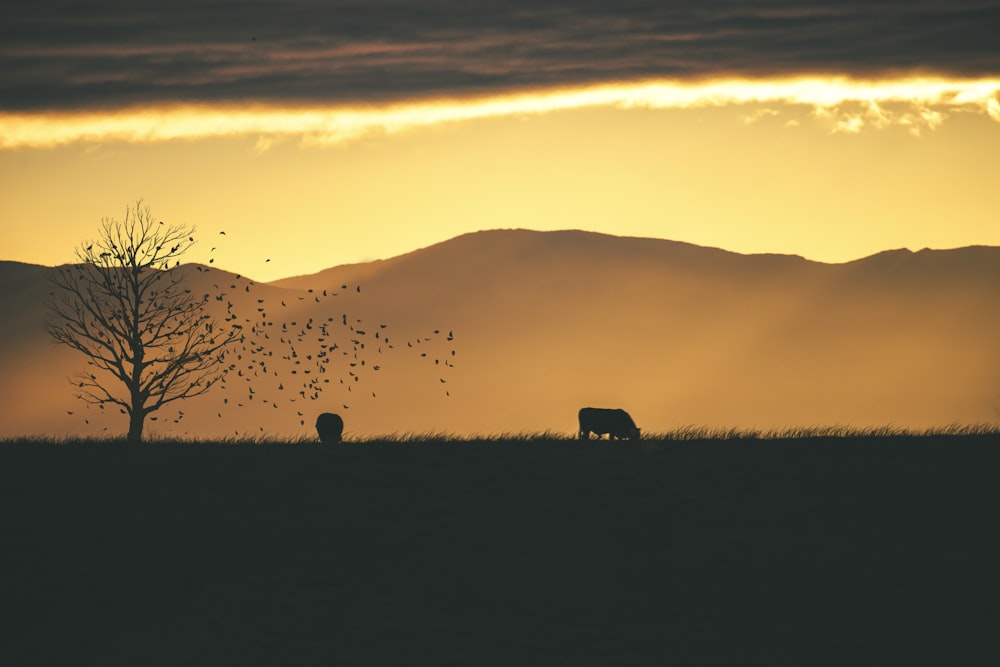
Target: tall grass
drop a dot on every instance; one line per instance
(692, 432)
(689, 433)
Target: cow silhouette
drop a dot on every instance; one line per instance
(615, 422)
(330, 428)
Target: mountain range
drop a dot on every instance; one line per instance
(511, 331)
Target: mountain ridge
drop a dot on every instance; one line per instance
(368, 267)
(480, 240)
(547, 322)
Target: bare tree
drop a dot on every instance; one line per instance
(148, 339)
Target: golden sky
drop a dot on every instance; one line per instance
(825, 167)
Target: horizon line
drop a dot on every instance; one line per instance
(547, 232)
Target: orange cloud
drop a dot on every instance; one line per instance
(853, 105)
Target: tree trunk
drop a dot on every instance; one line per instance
(135, 422)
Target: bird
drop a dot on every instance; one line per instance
(223, 233)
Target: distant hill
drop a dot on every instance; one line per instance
(544, 323)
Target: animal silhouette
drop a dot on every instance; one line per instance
(616, 423)
(330, 428)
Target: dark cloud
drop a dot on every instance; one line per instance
(97, 54)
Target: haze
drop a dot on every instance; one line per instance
(515, 330)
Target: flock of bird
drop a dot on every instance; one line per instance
(295, 349)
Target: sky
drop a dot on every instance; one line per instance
(317, 134)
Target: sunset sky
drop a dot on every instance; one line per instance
(318, 134)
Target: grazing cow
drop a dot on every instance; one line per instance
(616, 423)
(329, 427)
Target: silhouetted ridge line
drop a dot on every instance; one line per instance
(525, 245)
(546, 322)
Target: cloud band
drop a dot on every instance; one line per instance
(919, 103)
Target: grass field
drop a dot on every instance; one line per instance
(696, 549)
